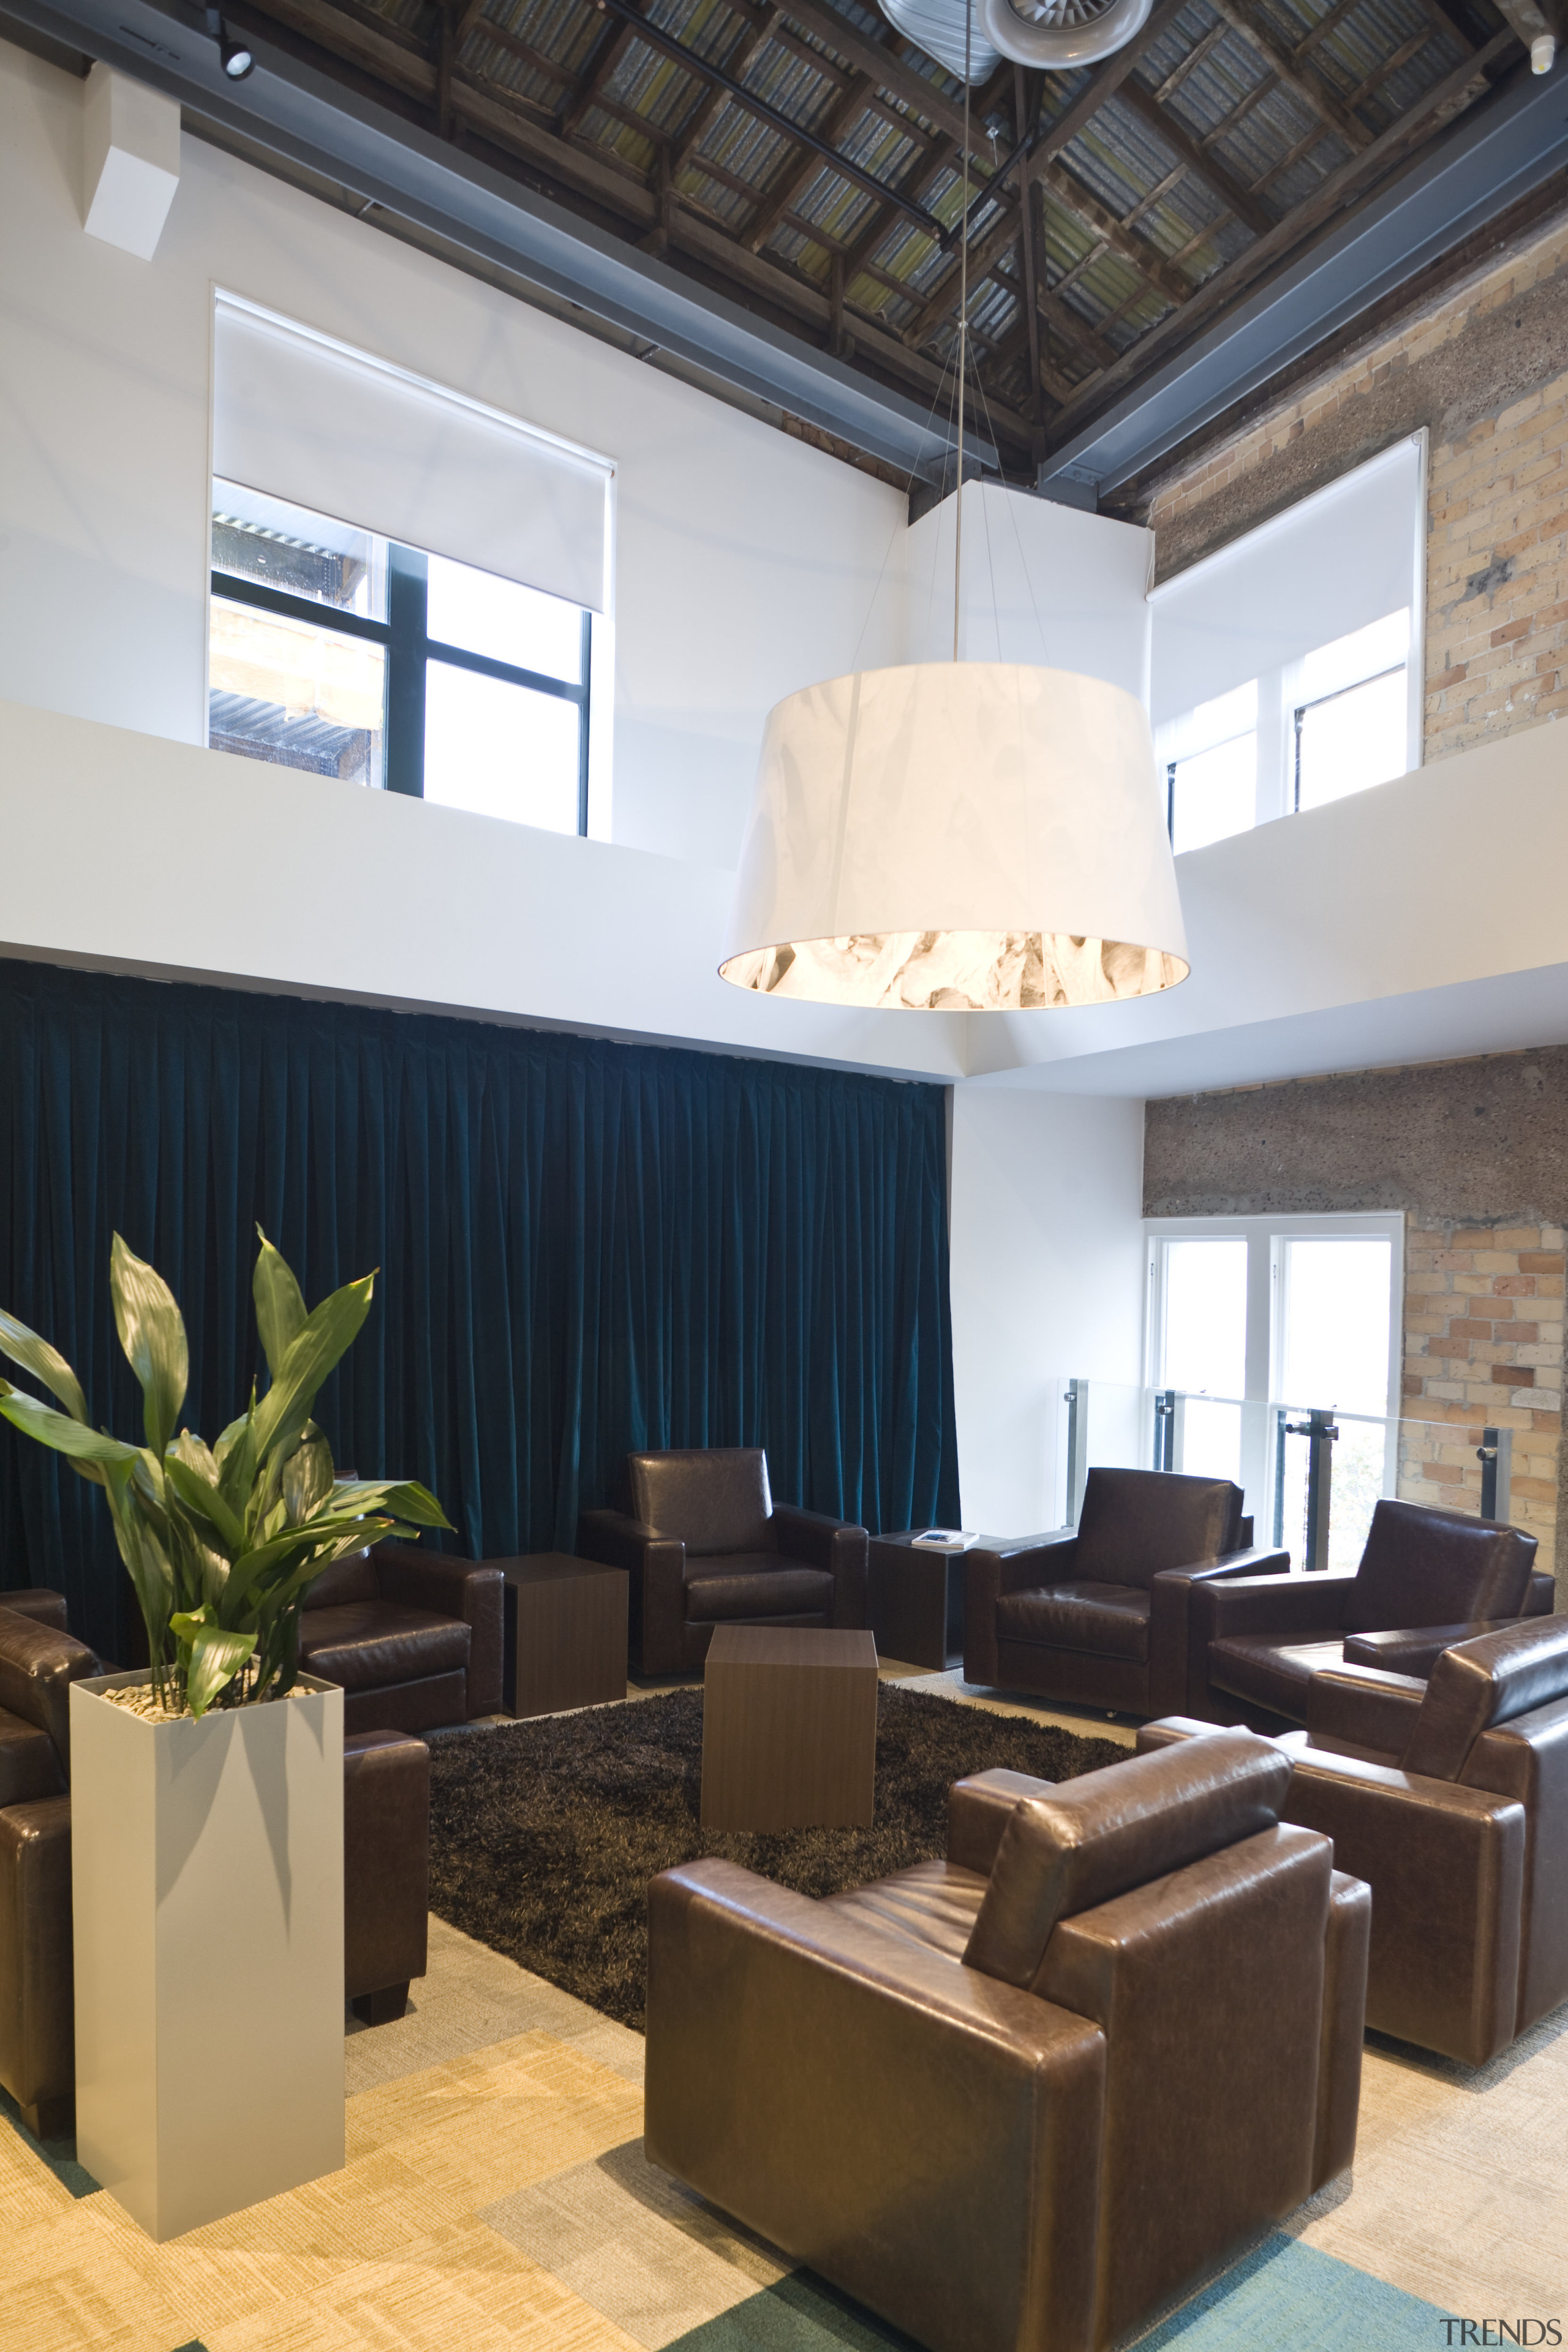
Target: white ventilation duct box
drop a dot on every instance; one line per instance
(131, 160)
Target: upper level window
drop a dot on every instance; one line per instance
(1211, 768)
(1286, 666)
(1349, 709)
(348, 654)
(1333, 722)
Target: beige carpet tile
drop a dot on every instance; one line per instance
(470, 1998)
(638, 2246)
(1460, 2187)
(388, 2252)
(465, 2292)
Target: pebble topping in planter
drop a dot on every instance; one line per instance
(141, 1699)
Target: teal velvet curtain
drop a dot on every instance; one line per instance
(584, 1248)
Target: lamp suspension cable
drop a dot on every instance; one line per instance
(962, 330)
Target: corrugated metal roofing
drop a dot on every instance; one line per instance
(580, 78)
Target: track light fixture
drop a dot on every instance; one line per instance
(236, 56)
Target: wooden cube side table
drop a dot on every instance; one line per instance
(914, 1600)
(789, 1729)
(565, 1641)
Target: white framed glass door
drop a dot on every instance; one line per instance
(1254, 1324)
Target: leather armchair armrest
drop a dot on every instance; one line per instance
(38, 2031)
(815, 1536)
(924, 2136)
(1445, 1866)
(1253, 1559)
(386, 1860)
(617, 1540)
(978, 1811)
(1361, 1708)
(1415, 1649)
(656, 1565)
(473, 1589)
(988, 1573)
(1293, 1607)
(29, 1767)
(1174, 1728)
(37, 1601)
(837, 1545)
(1178, 1665)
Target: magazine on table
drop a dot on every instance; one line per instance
(941, 1539)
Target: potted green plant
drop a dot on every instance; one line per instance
(221, 1543)
(206, 1813)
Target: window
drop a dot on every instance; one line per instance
(1351, 720)
(1333, 1344)
(1211, 770)
(1286, 667)
(1200, 1348)
(347, 654)
(1254, 1323)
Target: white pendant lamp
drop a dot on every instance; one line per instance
(964, 836)
(973, 836)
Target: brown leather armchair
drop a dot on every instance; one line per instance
(705, 1544)
(386, 1811)
(1427, 1578)
(1450, 1798)
(413, 1637)
(35, 1600)
(981, 2096)
(1100, 1617)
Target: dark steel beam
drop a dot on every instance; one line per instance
(1494, 155)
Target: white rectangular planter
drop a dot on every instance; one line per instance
(207, 1886)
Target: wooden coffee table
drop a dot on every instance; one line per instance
(789, 1729)
(565, 1640)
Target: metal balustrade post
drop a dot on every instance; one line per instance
(1077, 1448)
(1319, 1433)
(1495, 1454)
(1164, 1429)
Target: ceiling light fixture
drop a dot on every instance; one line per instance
(967, 836)
(234, 56)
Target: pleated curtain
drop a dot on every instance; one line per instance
(582, 1249)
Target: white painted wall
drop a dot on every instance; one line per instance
(130, 852)
(1048, 1280)
(1342, 938)
(1040, 584)
(746, 561)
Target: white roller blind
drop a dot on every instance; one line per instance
(1340, 559)
(311, 421)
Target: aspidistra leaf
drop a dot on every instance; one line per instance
(280, 1305)
(217, 1656)
(153, 1334)
(51, 1427)
(328, 1331)
(202, 1497)
(45, 1363)
(403, 1496)
(307, 1476)
(146, 1563)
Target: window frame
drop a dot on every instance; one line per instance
(1181, 759)
(409, 649)
(1300, 710)
(1266, 1275)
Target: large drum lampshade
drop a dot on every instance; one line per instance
(970, 836)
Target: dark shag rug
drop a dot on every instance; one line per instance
(544, 1835)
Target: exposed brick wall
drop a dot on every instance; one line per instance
(1486, 371)
(1475, 1154)
(1483, 1347)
